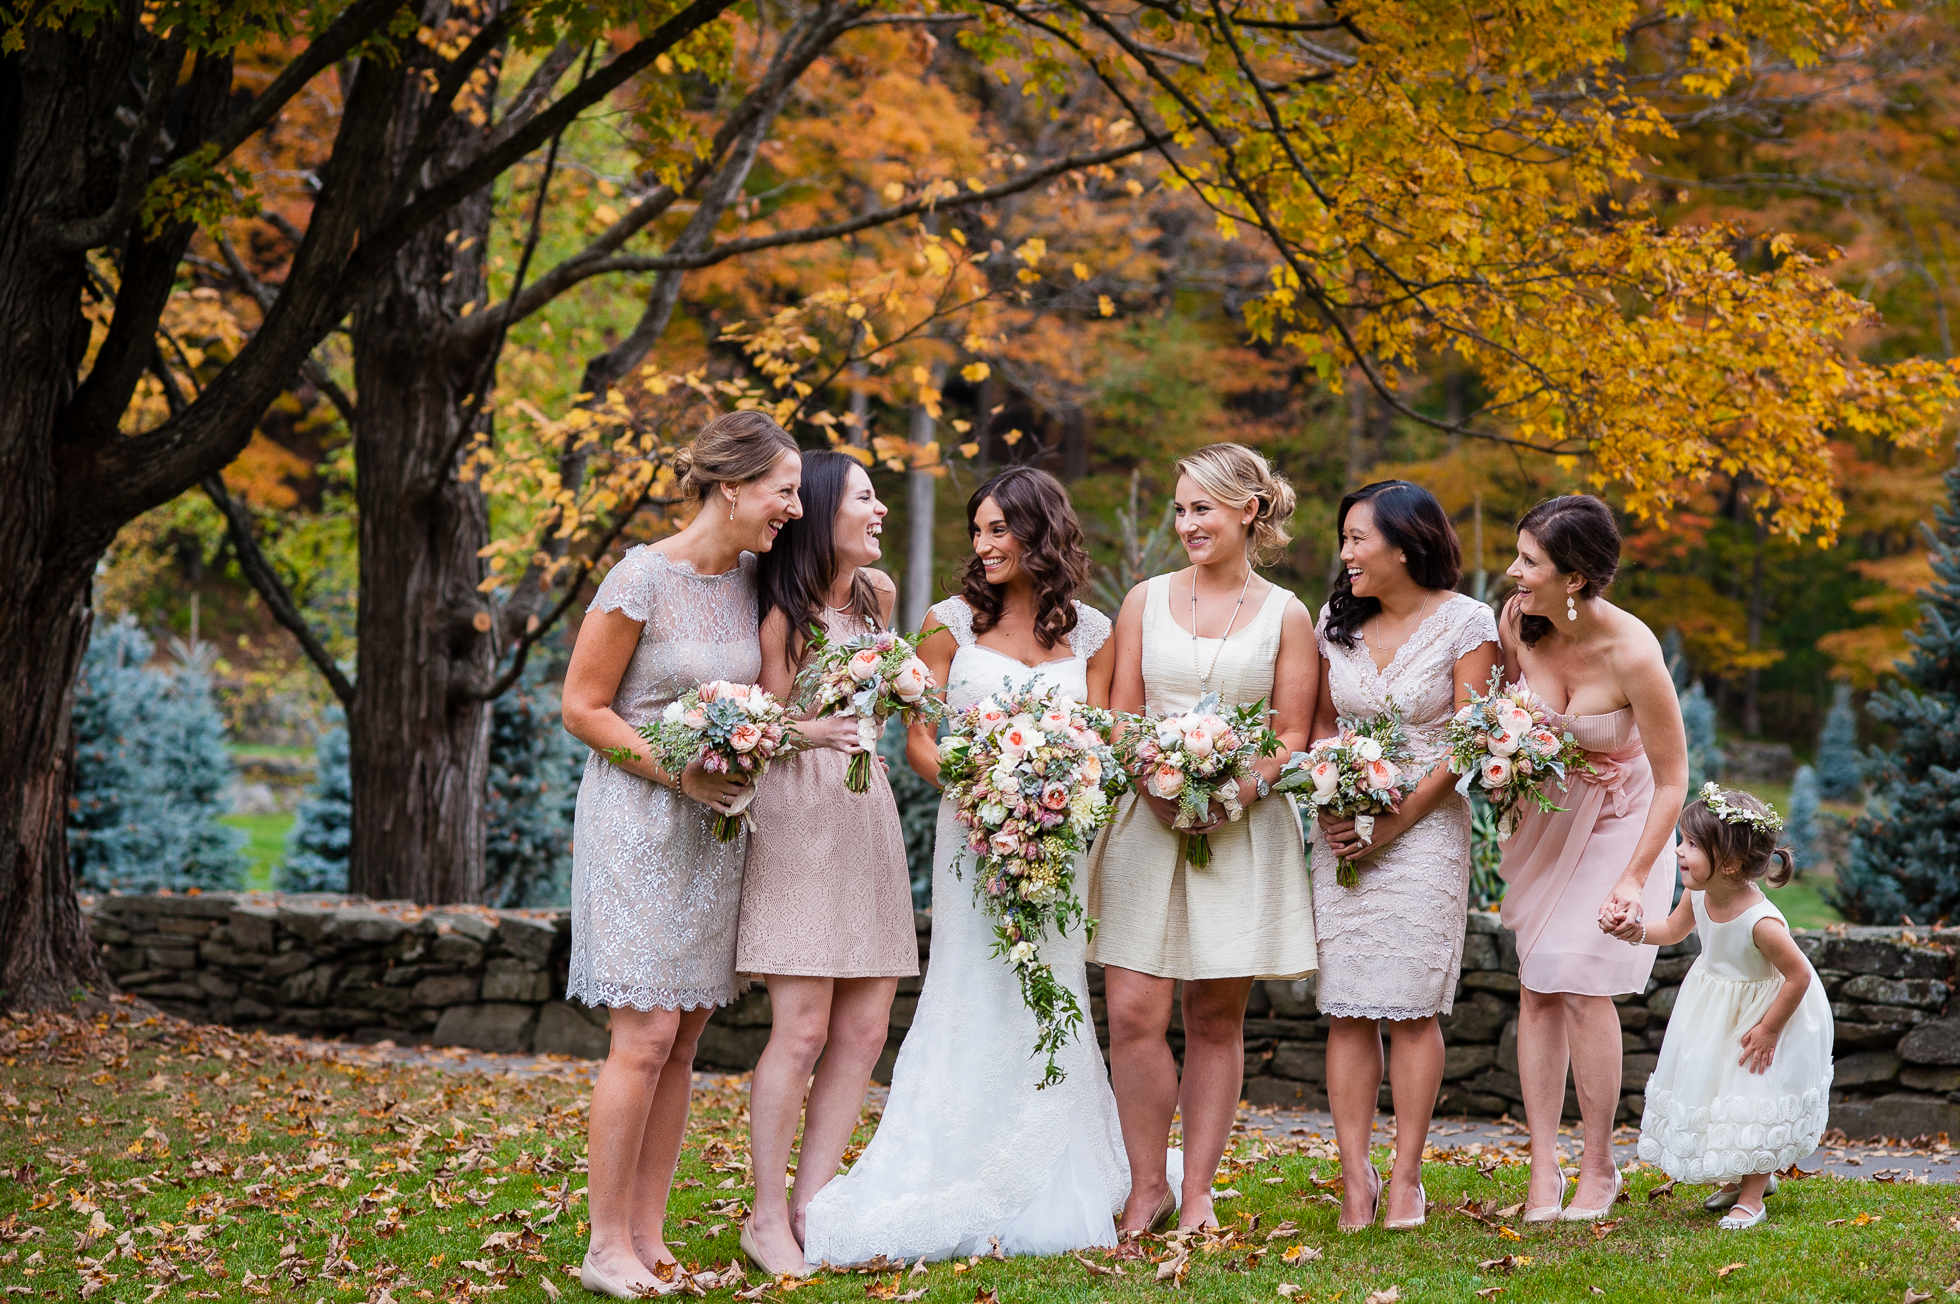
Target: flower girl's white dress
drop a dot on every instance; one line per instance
(1709, 1119)
(968, 1151)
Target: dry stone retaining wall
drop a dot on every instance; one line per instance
(495, 980)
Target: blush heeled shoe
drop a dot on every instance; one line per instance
(1410, 1224)
(1594, 1215)
(1374, 1210)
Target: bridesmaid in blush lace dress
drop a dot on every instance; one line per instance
(1605, 861)
(654, 895)
(827, 899)
(1393, 631)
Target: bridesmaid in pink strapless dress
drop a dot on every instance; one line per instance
(1559, 867)
(1607, 862)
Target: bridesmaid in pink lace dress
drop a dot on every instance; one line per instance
(1606, 859)
(826, 900)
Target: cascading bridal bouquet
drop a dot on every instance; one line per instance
(1363, 771)
(1506, 741)
(872, 676)
(1024, 771)
(1196, 758)
(730, 728)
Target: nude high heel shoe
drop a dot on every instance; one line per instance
(600, 1284)
(1410, 1224)
(1594, 1215)
(1374, 1210)
(1549, 1213)
(754, 1252)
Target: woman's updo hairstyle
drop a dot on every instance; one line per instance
(1042, 520)
(734, 448)
(1579, 537)
(1735, 846)
(1410, 520)
(1234, 475)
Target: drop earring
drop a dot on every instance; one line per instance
(731, 506)
(1571, 608)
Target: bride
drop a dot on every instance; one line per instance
(968, 1151)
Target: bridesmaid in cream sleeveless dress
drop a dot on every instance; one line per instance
(1605, 861)
(1249, 913)
(826, 898)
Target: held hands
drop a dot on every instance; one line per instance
(1759, 1048)
(1620, 914)
(1346, 844)
(1215, 817)
(715, 791)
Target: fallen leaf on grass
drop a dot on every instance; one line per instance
(1095, 1269)
(1490, 1292)
(1176, 1267)
(986, 1295)
(1284, 1229)
(919, 1267)
(1915, 1296)
(1665, 1188)
(550, 1287)
(1504, 1265)
(1287, 1290)
(1392, 1295)
(1505, 1233)
(1601, 1230)
(1733, 1267)
(1301, 1254)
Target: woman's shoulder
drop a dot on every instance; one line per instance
(1091, 631)
(956, 615)
(1471, 620)
(628, 586)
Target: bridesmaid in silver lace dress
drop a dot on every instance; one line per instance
(1390, 948)
(654, 896)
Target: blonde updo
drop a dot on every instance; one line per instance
(734, 448)
(1235, 475)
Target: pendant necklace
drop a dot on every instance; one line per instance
(1204, 680)
(1420, 613)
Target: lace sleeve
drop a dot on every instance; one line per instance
(1320, 633)
(627, 588)
(955, 615)
(1090, 633)
(1475, 627)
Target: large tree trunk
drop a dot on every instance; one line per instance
(419, 733)
(49, 95)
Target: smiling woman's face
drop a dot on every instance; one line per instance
(1542, 587)
(1373, 563)
(999, 551)
(859, 522)
(1210, 530)
(764, 505)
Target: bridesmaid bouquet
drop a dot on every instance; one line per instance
(872, 676)
(729, 728)
(1507, 742)
(1024, 774)
(1363, 771)
(1195, 759)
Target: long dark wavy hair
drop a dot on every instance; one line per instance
(1041, 518)
(795, 576)
(1580, 537)
(1410, 519)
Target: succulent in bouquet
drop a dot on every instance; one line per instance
(873, 676)
(734, 729)
(1508, 743)
(1365, 770)
(1197, 757)
(1025, 772)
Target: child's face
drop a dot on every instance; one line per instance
(1696, 869)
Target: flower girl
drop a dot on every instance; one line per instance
(1743, 1084)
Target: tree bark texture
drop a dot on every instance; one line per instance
(419, 736)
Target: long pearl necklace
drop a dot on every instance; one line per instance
(1204, 680)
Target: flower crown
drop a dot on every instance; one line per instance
(1766, 820)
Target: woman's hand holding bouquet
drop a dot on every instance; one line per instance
(1025, 775)
(1364, 770)
(1197, 758)
(1507, 743)
(872, 677)
(732, 729)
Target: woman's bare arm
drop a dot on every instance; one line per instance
(937, 647)
(1657, 714)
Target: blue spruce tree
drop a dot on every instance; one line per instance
(1904, 860)
(1800, 821)
(317, 846)
(1837, 750)
(534, 773)
(1697, 715)
(151, 770)
(918, 812)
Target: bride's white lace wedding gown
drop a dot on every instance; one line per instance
(968, 1150)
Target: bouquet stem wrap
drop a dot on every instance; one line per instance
(1364, 770)
(872, 676)
(1195, 759)
(733, 729)
(1508, 743)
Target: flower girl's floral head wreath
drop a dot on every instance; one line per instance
(1738, 831)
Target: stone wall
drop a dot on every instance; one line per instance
(495, 980)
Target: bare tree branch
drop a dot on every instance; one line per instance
(355, 24)
(315, 372)
(89, 232)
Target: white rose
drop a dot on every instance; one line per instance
(1368, 749)
(672, 715)
(1017, 740)
(1326, 778)
(1504, 740)
(992, 813)
(1021, 953)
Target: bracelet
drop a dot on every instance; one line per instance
(1643, 934)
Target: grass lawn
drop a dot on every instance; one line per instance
(157, 1161)
(265, 843)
